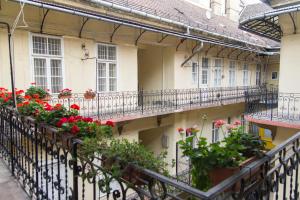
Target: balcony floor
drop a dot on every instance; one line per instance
(9, 187)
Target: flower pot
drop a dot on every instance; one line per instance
(65, 97)
(88, 96)
(129, 172)
(218, 175)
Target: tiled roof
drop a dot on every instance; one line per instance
(254, 9)
(190, 14)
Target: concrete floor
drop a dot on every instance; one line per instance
(9, 187)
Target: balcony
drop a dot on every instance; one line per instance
(274, 108)
(48, 169)
(132, 105)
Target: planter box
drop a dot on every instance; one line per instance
(89, 97)
(65, 97)
(129, 172)
(220, 174)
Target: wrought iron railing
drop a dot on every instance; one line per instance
(276, 106)
(48, 169)
(142, 103)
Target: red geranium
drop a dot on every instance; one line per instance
(110, 123)
(48, 107)
(75, 107)
(87, 119)
(180, 130)
(57, 107)
(36, 96)
(61, 122)
(74, 129)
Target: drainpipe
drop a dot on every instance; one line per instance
(198, 50)
(11, 64)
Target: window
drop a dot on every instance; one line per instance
(47, 62)
(218, 72)
(106, 68)
(195, 73)
(258, 74)
(204, 71)
(274, 75)
(215, 133)
(232, 73)
(245, 75)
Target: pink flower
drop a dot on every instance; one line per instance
(180, 130)
(219, 123)
(230, 127)
(237, 122)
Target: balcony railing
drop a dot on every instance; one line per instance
(47, 169)
(145, 103)
(275, 106)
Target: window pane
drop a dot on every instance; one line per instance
(111, 53)
(101, 77)
(112, 77)
(195, 72)
(102, 52)
(56, 76)
(204, 62)
(204, 76)
(54, 46)
(39, 45)
(112, 84)
(112, 70)
(40, 75)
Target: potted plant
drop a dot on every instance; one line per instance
(89, 94)
(214, 162)
(65, 94)
(37, 93)
(125, 159)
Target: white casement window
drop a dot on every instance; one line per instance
(245, 75)
(215, 133)
(47, 62)
(232, 73)
(258, 74)
(106, 68)
(205, 69)
(195, 73)
(218, 72)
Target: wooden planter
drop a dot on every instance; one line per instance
(129, 172)
(218, 175)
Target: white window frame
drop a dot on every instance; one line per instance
(218, 73)
(107, 62)
(47, 57)
(245, 74)
(207, 71)
(232, 71)
(195, 73)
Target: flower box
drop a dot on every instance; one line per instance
(88, 96)
(65, 96)
(218, 175)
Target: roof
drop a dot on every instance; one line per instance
(195, 17)
(262, 19)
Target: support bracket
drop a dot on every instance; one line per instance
(196, 45)
(238, 56)
(219, 52)
(210, 47)
(85, 20)
(114, 32)
(44, 18)
(246, 57)
(163, 38)
(159, 119)
(140, 35)
(231, 52)
(180, 43)
(120, 126)
(294, 24)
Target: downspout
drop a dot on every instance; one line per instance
(198, 50)
(11, 64)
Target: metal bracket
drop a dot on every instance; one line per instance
(246, 57)
(85, 20)
(210, 47)
(238, 56)
(181, 41)
(218, 54)
(137, 39)
(159, 119)
(43, 21)
(120, 126)
(114, 32)
(196, 45)
(294, 24)
(231, 52)
(163, 38)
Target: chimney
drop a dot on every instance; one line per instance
(232, 9)
(216, 6)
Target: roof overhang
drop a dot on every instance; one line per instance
(267, 24)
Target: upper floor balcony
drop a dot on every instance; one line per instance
(122, 106)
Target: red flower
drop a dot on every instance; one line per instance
(75, 107)
(77, 118)
(87, 119)
(75, 130)
(33, 83)
(237, 122)
(219, 123)
(72, 119)
(98, 122)
(27, 97)
(48, 107)
(36, 96)
(19, 105)
(180, 130)
(61, 122)
(110, 123)
(19, 92)
(57, 107)
(26, 103)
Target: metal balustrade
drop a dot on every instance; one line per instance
(144, 103)
(47, 169)
(275, 106)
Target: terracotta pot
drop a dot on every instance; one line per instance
(65, 97)
(218, 175)
(129, 172)
(88, 96)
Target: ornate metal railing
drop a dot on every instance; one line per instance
(47, 168)
(272, 105)
(141, 103)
